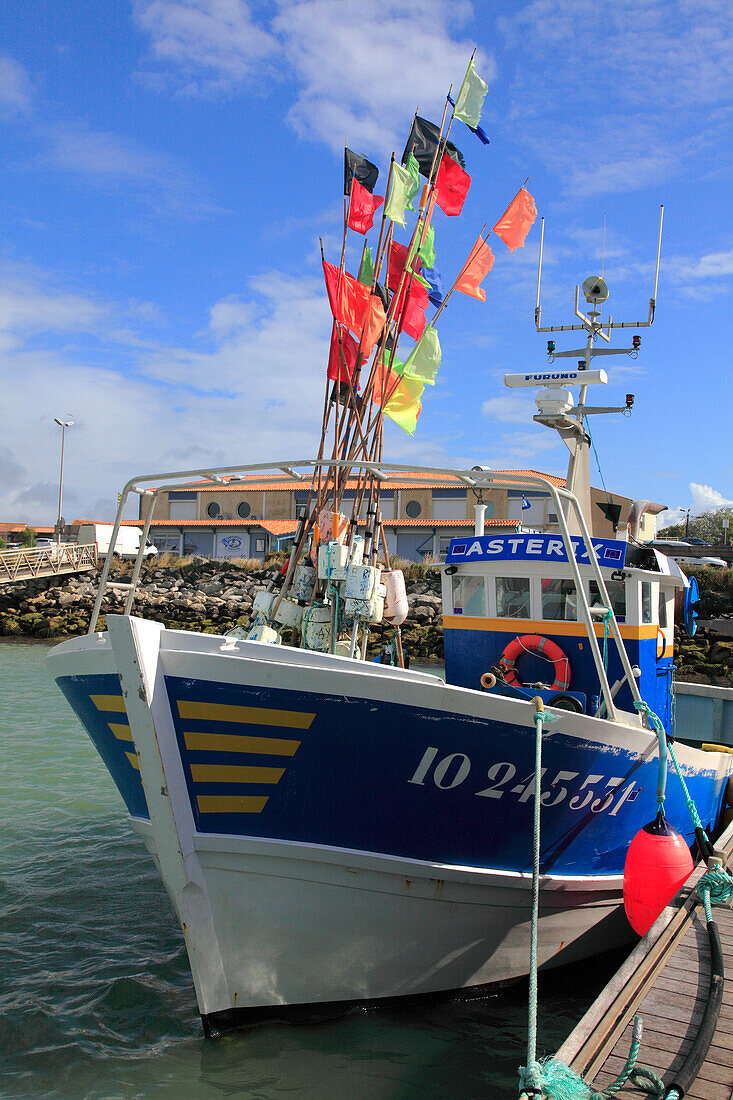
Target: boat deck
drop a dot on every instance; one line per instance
(666, 980)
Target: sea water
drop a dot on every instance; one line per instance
(96, 998)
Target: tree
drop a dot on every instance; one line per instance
(708, 526)
(28, 537)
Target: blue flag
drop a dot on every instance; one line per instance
(433, 278)
(526, 503)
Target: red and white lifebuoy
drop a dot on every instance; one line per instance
(544, 647)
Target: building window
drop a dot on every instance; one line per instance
(213, 510)
(182, 509)
(243, 510)
(512, 597)
(449, 507)
(469, 596)
(413, 509)
(559, 600)
(259, 546)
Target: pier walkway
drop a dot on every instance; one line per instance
(46, 561)
(666, 980)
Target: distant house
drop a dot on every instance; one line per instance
(420, 514)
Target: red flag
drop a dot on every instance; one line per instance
(451, 186)
(362, 208)
(348, 297)
(396, 264)
(373, 324)
(413, 318)
(341, 367)
(478, 264)
(517, 220)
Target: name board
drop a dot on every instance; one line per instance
(610, 553)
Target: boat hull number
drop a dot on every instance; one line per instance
(591, 793)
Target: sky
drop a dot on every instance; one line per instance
(169, 166)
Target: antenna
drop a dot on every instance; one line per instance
(538, 307)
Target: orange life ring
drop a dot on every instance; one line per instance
(535, 643)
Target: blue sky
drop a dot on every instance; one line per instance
(169, 166)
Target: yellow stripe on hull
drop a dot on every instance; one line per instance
(231, 804)
(121, 730)
(542, 626)
(228, 773)
(224, 742)
(248, 716)
(132, 757)
(115, 703)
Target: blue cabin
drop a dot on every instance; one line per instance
(511, 609)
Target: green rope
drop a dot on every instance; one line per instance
(690, 804)
(715, 888)
(607, 616)
(558, 1081)
(657, 725)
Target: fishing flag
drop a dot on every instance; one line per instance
(402, 189)
(366, 271)
(342, 356)
(470, 99)
(434, 279)
(414, 169)
(517, 220)
(397, 258)
(480, 134)
(374, 322)
(359, 168)
(362, 207)
(402, 396)
(478, 264)
(411, 309)
(451, 186)
(422, 142)
(349, 299)
(426, 251)
(424, 360)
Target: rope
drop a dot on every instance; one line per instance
(656, 724)
(555, 1080)
(715, 888)
(530, 1076)
(607, 616)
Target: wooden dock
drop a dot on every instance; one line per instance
(46, 561)
(666, 980)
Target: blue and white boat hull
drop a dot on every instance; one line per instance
(332, 831)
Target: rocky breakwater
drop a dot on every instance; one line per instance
(193, 594)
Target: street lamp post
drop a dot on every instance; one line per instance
(63, 424)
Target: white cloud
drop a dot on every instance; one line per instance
(213, 43)
(15, 87)
(509, 408)
(706, 499)
(361, 69)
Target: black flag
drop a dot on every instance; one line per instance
(357, 167)
(423, 141)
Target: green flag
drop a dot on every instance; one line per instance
(404, 406)
(426, 251)
(402, 189)
(366, 271)
(470, 99)
(414, 169)
(424, 359)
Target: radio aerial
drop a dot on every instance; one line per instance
(595, 290)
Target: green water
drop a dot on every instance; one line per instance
(96, 999)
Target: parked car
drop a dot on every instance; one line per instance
(682, 560)
(697, 542)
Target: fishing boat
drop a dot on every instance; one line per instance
(335, 831)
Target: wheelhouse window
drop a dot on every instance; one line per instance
(646, 601)
(662, 608)
(512, 597)
(616, 594)
(559, 599)
(469, 596)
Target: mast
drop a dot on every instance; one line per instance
(556, 407)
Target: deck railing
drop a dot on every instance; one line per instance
(46, 561)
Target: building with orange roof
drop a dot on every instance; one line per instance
(250, 516)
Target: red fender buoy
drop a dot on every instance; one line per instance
(658, 862)
(545, 647)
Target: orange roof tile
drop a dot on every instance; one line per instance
(398, 480)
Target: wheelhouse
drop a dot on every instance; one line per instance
(506, 597)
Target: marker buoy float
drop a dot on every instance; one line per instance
(544, 647)
(658, 862)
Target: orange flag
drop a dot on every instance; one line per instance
(373, 323)
(349, 298)
(478, 264)
(517, 220)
